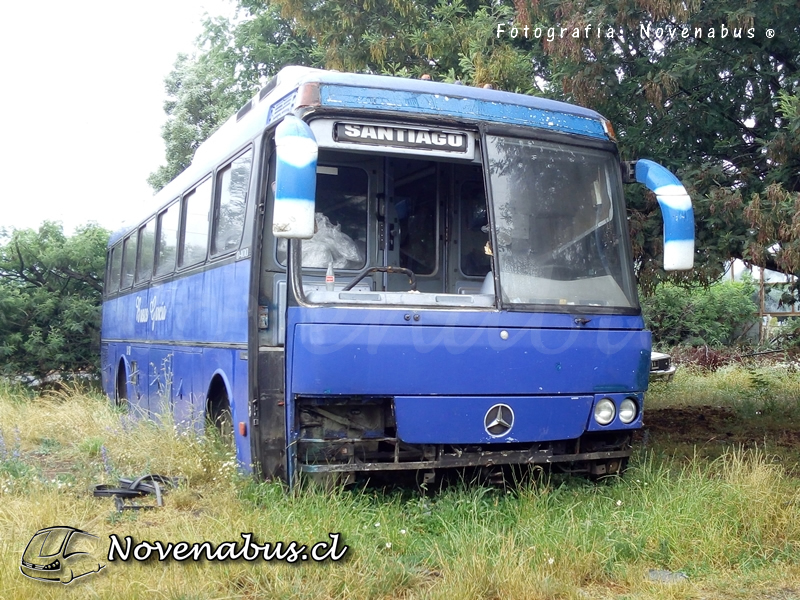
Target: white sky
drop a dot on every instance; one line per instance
(81, 104)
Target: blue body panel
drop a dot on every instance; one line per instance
(462, 318)
(452, 420)
(448, 91)
(181, 333)
(208, 307)
(451, 366)
(413, 359)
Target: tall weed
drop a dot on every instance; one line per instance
(731, 522)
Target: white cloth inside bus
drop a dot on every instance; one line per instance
(488, 284)
(330, 245)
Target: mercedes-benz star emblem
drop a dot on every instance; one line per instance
(498, 420)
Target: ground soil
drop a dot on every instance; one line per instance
(709, 430)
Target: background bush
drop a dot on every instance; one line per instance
(50, 296)
(718, 315)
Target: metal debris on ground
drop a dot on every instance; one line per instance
(137, 488)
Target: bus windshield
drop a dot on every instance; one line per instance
(559, 217)
(554, 229)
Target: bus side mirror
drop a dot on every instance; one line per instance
(676, 210)
(295, 179)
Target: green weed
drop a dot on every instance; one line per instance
(728, 524)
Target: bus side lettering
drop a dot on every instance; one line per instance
(155, 312)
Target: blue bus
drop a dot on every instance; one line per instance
(362, 275)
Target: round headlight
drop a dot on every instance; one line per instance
(604, 411)
(628, 410)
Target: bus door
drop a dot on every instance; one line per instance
(346, 241)
(437, 224)
(414, 217)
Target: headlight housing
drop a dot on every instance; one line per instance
(628, 410)
(605, 411)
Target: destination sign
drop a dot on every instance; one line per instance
(402, 137)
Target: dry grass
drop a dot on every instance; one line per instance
(731, 525)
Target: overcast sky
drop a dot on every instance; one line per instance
(82, 104)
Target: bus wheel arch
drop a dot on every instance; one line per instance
(121, 381)
(219, 411)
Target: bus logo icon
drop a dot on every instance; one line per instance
(60, 554)
(498, 420)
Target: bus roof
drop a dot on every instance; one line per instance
(452, 90)
(383, 95)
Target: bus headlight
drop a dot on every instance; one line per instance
(604, 411)
(628, 410)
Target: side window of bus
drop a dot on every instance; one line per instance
(114, 269)
(147, 242)
(167, 239)
(196, 205)
(128, 260)
(229, 208)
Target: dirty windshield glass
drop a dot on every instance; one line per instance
(559, 221)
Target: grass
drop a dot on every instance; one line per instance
(748, 389)
(711, 413)
(730, 522)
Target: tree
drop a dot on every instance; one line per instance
(702, 88)
(698, 86)
(205, 90)
(445, 39)
(50, 296)
(774, 212)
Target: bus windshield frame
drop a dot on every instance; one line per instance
(562, 248)
(558, 220)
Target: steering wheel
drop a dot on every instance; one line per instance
(412, 279)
